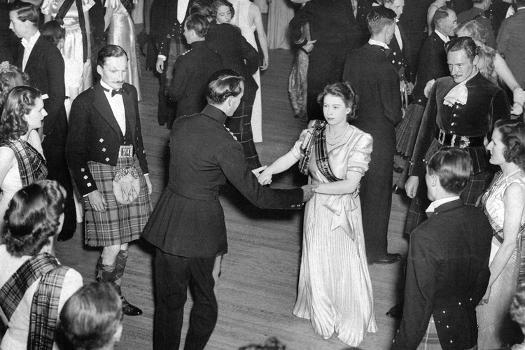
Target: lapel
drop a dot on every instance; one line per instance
(101, 104)
(131, 113)
(34, 56)
(20, 55)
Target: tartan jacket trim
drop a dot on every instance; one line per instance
(31, 164)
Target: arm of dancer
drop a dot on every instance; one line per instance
(504, 73)
(255, 13)
(8, 160)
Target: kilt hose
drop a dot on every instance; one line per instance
(119, 223)
(240, 125)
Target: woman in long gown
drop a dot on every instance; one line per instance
(21, 156)
(504, 204)
(280, 14)
(334, 291)
(248, 18)
(122, 33)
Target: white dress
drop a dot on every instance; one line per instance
(241, 19)
(335, 291)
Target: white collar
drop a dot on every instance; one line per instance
(32, 40)
(432, 207)
(443, 37)
(378, 43)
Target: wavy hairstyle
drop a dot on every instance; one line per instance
(223, 84)
(345, 91)
(218, 3)
(19, 101)
(91, 317)
(26, 12)
(32, 217)
(513, 137)
(517, 307)
(10, 76)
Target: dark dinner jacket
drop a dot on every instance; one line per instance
(45, 67)
(447, 275)
(94, 134)
(203, 156)
(400, 57)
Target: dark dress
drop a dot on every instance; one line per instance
(376, 82)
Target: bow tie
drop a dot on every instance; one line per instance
(117, 91)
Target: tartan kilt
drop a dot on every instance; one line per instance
(408, 129)
(240, 125)
(120, 223)
(430, 340)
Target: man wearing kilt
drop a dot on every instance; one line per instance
(107, 158)
(460, 112)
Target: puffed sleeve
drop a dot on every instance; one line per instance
(359, 156)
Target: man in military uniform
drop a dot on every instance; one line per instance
(187, 226)
(460, 112)
(104, 146)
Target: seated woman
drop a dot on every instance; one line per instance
(33, 284)
(92, 317)
(504, 204)
(10, 76)
(21, 156)
(334, 292)
(491, 64)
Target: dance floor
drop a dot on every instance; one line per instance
(257, 288)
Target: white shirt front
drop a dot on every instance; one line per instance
(443, 37)
(117, 106)
(28, 47)
(397, 34)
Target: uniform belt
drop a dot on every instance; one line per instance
(193, 194)
(454, 140)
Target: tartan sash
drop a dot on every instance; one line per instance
(44, 306)
(31, 164)
(317, 140)
(62, 11)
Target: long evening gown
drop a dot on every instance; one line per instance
(493, 320)
(280, 14)
(122, 33)
(242, 20)
(334, 289)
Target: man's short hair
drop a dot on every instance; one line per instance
(378, 18)
(453, 167)
(198, 23)
(463, 43)
(440, 14)
(91, 317)
(110, 51)
(26, 12)
(223, 84)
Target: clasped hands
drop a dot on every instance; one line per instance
(264, 176)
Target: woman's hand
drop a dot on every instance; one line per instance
(309, 46)
(264, 175)
(486, 297)
(265, 63)
(159, 65)
(411, 186)
(148, 183)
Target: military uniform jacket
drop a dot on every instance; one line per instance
(191, 74)
(188, 219)
(94, 134)
(447, 275)
(486, 104)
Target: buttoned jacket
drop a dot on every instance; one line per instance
(94, 134)
(447, 275)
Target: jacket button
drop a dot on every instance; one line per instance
(101, 140)
(104, 149)
(82, 169)
(107, 159)
(85, 177)
(88, 184)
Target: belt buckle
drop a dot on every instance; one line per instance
(464, 142)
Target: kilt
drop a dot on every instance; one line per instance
(408, 129)
(430, 341)
(240, 126)
(119, 223)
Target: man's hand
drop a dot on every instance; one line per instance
(160, 65)
(148, 183)
(97, 201)
(308, 192)
(411, 186)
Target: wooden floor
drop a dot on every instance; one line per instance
(257, 289)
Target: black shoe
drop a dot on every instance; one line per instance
(396, 311)
(128, 309)
(387, 259)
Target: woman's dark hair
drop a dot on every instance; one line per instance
(26, 12)
(32, 217)
(8, 76)
(463, 43)
(202, 8)
(91, 317)
(453, 167)
(345, 91)
(223, 84)
(198, 23)
(513, 138)
(109, 51)
(53, 32)
(19, 101)
(517, 307)
(218, 3)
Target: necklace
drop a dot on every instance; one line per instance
(332, 140)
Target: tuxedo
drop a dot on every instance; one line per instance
(336, 29)
(376, 82)
(446, 277)
(398, 55)
(95, 136)
(45, 67)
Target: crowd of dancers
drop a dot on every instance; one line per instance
(437, 83)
